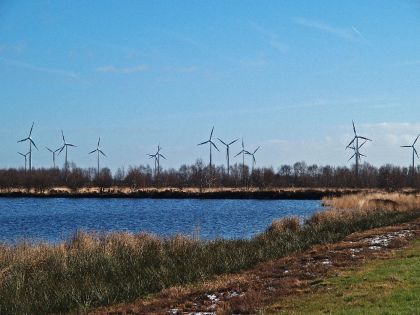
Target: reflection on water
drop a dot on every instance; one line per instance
(54, 219)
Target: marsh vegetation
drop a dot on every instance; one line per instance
(90, 270)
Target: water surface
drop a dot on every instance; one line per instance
(55, 219)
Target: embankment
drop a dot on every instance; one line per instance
(191, 193)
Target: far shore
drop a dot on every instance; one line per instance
(191, 193)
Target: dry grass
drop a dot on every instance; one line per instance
(375, 201)
(101, 269)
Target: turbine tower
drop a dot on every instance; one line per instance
(414, 151)
(65, 146)
(31, 142)
(243, 152)
(99, 151)
(356, 146)
(254, 161)
(227, 151)
(211, 143)
(154, 156)
(25, 156)
(53, 154)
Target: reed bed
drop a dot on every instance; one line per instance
(93, 269)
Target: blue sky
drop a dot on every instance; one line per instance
(286, 75)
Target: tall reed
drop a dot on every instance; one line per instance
(93, 269)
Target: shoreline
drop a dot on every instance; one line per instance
(192, 193)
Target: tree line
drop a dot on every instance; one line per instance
(200, 175)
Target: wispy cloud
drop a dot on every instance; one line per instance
(123, 70)
(414, 62)
(188, 69)
(31, 67)
(12, 48)
(270, 37)
(347, 33)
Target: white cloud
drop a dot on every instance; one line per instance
(348, 33)
(31, 67)
(123, 70)
(189, 69)
(271, 38)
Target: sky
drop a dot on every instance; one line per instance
(289, 76)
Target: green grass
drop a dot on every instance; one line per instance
(390, 286)
(91, 270)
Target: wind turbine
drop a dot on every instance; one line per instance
(31, 142)
(65, 146)
(53, 154)
(157, 157)
(414, 150)
(254, 161)
(356, 146)
(227, 151)
(25, 156)
(99, 151)
(211, 143)
(243, 152)
(357, 153)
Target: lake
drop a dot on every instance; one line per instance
(55, 219)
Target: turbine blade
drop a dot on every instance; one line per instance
(351, 142)
(256, 150)
(211, 134)
(30, 132)
(233, 141)
(364, 138)
(62, 134)
(362, 144)
(354, 128)
(71, 145)
(101, 152)
(92, 152)
(61, 149)
(362, 154)
(99, 141)
(416, 139)
(415, 151)
(212, 143)
(32, 141)
(352, 156)
(23, 140)
(162, 156)
(49, 149)
(204, 142)
(24, 155)
(406, 146)
(222, 141)
(239, 153)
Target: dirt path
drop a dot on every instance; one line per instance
(251, 290)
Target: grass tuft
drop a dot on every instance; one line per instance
(94, 269)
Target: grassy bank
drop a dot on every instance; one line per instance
(390, 286)
(99, 269)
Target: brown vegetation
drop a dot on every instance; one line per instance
(254, 290)
(102, 269)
